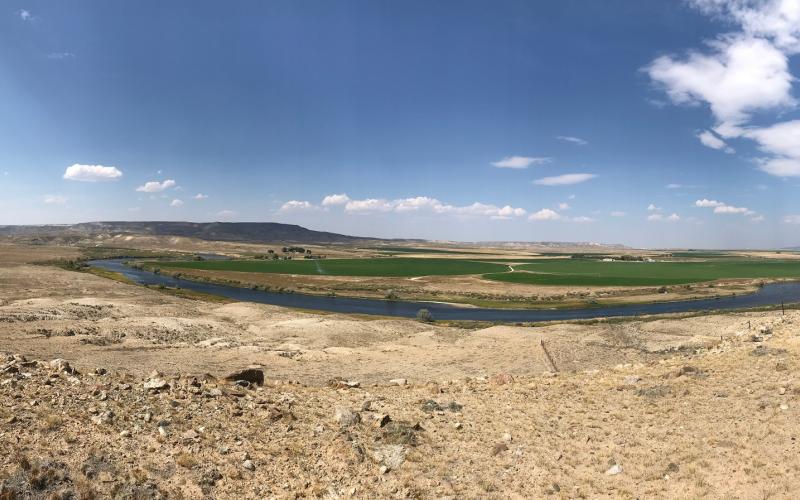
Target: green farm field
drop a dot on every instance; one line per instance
(561, 272)
(389, 267)
(578, 272)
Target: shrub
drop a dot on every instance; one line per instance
(390, 295)
(424, 315)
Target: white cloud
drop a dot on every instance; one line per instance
(369, 205)
(728, 209)
(297, 206)
(791, 219)
(25, 15)
(563, 206)
(618, 213)
(508, 212)
(782, 142)
(741, 75)
(663, 218)
(54, 199)
(652, 208)
(564, 180)
(200, 196)
(482, 209)
(708, 139)
(520, 162)
(335, 199)
(417, 203)
(91, 173)
(708, 203)
(176, 203)
(723, 208)
(424, 203)
(582, 219)
(226, 214)
(544, 214)
(155, 186)
(777, 20)
(573, 140)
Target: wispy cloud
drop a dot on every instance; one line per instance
(564, 180)
(155, 186)
(710, 140)
(176, 203)
(25, 15)
(791, 219)
(91, 173)
(663, 218)
(200, 196)
(61, 55)
(519, 162)
(573, 140)
(54, 199)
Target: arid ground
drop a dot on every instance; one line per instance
(111, 389)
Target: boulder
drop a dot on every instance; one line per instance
(251, 375)
(346, 417)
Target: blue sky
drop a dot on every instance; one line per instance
(648, 123)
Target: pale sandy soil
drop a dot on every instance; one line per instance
(695, 407)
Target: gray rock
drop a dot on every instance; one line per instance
(389, 455)
(61, 365)
(155, 385)
(614, 470)
(346, 417)
(249, 465)
(103, 418)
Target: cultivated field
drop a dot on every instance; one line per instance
(551, 280)
(389, 267)
(592, 272)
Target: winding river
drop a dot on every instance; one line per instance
(769, 295)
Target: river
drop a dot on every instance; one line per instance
(769, 295)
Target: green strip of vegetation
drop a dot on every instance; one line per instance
(425, 250)
(190, 294)
(579, 272)
(389, 267)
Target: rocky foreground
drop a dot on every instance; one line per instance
(720, 422)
